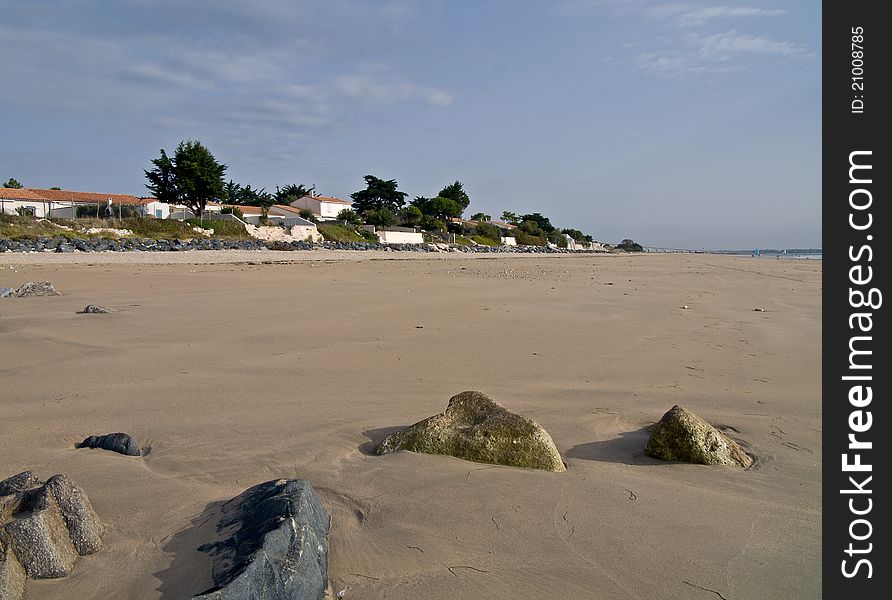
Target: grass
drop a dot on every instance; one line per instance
(19, 228)
(15, 227)
(223, 229)
(462, 240)
(335, 232)
(484, 241)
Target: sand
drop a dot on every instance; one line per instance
(238, 373)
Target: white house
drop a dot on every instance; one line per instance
(14, 201)
(324, 208)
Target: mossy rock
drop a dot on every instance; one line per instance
(683, 436)
(475, 427)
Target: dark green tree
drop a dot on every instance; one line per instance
(630, 246)
(192, 177)
(232, 192)
(510, 217)
(380, 217)
(378, 194)
(13, 183)
(479, 216)
(455, 191)
(410, 215)
(444, 208)
(577, 235)
(348, 216)
(543, 222)
(292, 192)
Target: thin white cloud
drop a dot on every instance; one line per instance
(700, 16)
(730, 43)
(387, 91)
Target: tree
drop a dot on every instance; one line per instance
(192, 177)
(510, 217)
(479, 216)
(431, 223)
(380, 217)
(456, 192)
(306, 213)
(489, 231)
(13, 183)
(410, 215)
(577, 235)
(630, 246)
(445, 208)
(543, 222)
(378, 194)
(232, 192)
(55, 187)
(292, 192)
(349, 216)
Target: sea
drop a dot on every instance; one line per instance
(772, 253)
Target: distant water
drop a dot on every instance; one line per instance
(797, 253)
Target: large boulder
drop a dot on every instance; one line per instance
(476, 427)
(683, 436)
(44, 527)
(36, 288)
(95, 309)
(116, 442)
(277, 546)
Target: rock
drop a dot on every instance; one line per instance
(6, 292)
(44, 527)
(475, 427)
(116, 442)
(96, 309)
(683, 436)
(19, 483)
(278, 547)
(12, 574)
(36, 288)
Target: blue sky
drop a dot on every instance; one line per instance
(683, 124)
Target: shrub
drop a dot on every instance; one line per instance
(232, 210)
(306, 213)
(349, 216)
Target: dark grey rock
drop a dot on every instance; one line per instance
(278, 548)
(19, 483)
(36, 288)
(116, 442)
(44, 527)
(96, 309)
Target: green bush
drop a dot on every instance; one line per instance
(485, 241)
(335, 232)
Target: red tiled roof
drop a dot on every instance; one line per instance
(87, 197)
(20, 194)
(248, 210)
(287, 208)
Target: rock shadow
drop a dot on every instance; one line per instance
(190, 571)
(375, 437)
(628, 449)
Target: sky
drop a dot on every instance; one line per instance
(677, 124)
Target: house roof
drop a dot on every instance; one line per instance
(248, 210)
(330, 200)
(87, 197)
(20, 194)
(287, 208)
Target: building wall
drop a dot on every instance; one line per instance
(400, 237)
(509, 241)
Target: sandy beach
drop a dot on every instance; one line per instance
(242, 369)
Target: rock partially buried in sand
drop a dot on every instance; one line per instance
(36, 288)
(44, 527)
(116, 442)
(6, 292)
(278, 544)
(94, 309)
(683, 436)
(476, 427)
